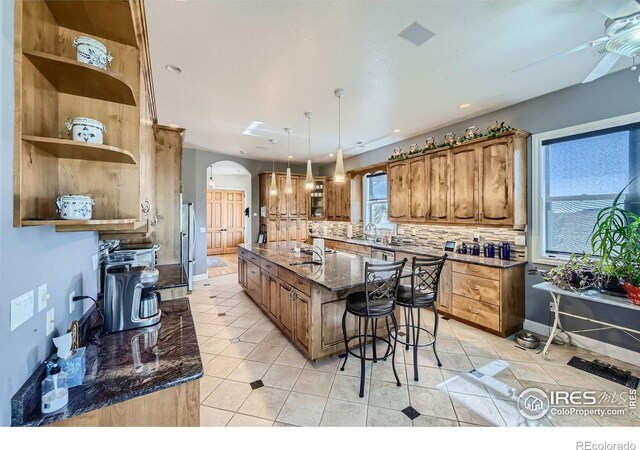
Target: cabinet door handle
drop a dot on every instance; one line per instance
(145, 207)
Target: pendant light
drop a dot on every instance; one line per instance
(211, 184)
(308, 182)
(273, 190)
(288, 189)
(339, 176)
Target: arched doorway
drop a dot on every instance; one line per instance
(227, 226)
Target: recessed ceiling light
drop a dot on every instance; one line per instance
(465, 106)
(330, 154)
(397, 130)
(173, 69)
(173, 125)
(290, 156)
(242, 152)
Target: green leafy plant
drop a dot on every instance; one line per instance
(579, 273)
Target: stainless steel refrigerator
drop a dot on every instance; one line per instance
(188, 239)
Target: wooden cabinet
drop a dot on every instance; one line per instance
(301, 322)
(286, 305)
(464, 184)
(52, 86)
(283, 211)
(418, 189)
(398, 190)
(338, 199)
(303, 230)
(444, 288)
(481, 182)
(242, 272)
(438, 187)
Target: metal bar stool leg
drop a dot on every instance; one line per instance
(416, 341)
(407, 320)
(395, 341)
(374, 323)
(363, 355)
(344, 335)
(435, 332)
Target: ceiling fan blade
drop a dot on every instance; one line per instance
(566, 52)
(614, 8)
(603, 67)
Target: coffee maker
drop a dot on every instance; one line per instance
(131, 299)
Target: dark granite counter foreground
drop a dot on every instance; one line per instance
(422, 251)
(171, 276)
(122, 366)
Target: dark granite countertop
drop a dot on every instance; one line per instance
(122, 366)
(339, 272)
(171, 276)
(423, 251)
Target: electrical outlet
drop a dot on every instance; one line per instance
(94, 260)
(50, 321)
(552, 307)
(521, 240)
(43, 297)
(21, 309)
(72, 304)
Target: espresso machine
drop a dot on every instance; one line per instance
(131, 299)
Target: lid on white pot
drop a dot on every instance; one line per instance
(76, 197)
(86, 121)
(89, 41)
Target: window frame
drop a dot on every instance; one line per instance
(538, 181)
(367, 203)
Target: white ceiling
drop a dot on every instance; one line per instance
(270, 61)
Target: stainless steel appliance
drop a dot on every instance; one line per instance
(144, 254)
(113, 260)
(131, 299)
(188, 239)
(384, 255)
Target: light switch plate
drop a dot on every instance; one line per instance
(21, 309)
(50, 321)
(72, 304)
(203, 230)
(43, 297)
(94, 260)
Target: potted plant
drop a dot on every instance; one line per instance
(616, 239)
(577, 274)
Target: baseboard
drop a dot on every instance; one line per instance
(200, 277)
(579, 340)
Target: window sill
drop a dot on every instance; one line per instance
(547, 261)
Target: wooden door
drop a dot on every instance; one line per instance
(264, 287)
(215, 222)
(398, 190)
(286, 308)
(282, 229)
(464, 184)
(292, 229)
(301, 325)
(330, 199)
(281, 196)
(438, 187)
(303, 197)
(496, 182)
(418, 189)
(272, 230)
(274, 300)
(292, 199)
(234, 220)
(225, 221)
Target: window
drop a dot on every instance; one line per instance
(376, 205)
(577, 172)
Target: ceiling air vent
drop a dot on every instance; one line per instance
(416, 34)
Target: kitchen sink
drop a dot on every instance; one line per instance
(303, 263)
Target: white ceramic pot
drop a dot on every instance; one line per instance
(84, 129)
(75, 207)
(90, 51)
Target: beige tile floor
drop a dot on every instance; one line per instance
(243, 346)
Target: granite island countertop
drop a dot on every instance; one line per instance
(424, 251)
(122, 366)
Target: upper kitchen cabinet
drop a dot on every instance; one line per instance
(481, 182)
(52, 85)
(464, 185)
(285, 215)
(338, 199)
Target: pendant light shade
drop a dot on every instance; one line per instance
(273, 190)
(308, 182)
(339, 177)
(288, 189)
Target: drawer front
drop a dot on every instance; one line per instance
(254, 258)
(303, 285)
(242, 252)
(270, 267)
(253, 290)
(287, 276)
(493, 273)
(253, 273)
(477, 312)
(476, 288)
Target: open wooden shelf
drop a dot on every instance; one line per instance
(106, 19)
(70, 223)
(76, 78)
(68, 149)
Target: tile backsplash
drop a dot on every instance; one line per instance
(434, 236)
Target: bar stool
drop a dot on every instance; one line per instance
(422, 293)
(377, 301)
